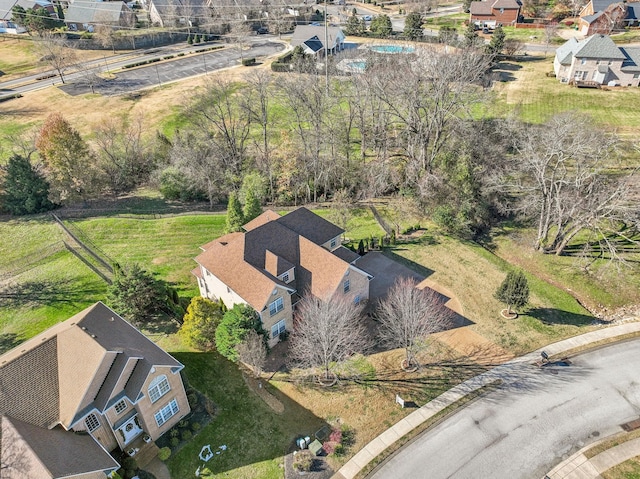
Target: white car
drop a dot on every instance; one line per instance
(366, 18)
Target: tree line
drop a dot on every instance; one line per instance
(408, 125)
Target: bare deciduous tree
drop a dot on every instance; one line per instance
(253, 352)
(408, 316)
(564, 178)
(327, 330)
(55, 51)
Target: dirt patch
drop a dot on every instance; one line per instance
(257, 386)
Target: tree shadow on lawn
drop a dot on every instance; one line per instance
(9, 341)
(255, 435)
(551, 316)
(45, 293)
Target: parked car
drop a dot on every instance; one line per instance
(366, 18)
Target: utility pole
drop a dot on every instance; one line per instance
(326, 48)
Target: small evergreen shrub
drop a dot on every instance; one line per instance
(247, 62)
(303, 461)
(164, 453)
(186, 435)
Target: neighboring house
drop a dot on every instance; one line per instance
(6, 7)
(492, 14)
(597, 60)
(607, 16)
(188, 13)
(276, 261)
(312, 39)
(86, 14)
(89, 385)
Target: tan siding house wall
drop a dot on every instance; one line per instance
(328, 246)
(358, 284)
(286, 314)
(147, 409)
(104, 435)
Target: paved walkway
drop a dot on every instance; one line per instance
(413, 420)
(579, 466)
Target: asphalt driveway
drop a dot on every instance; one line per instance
(385, 272)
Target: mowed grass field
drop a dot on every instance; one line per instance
(533, 97)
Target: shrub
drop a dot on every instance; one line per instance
(164, 453)
(280, 67)
(186, 435)
(174, 433)
(303, 460)
(129, 474)
(339, 450)
(129, 463)
(174, 441)
(183, 423)
(142, 474)
(195, 427)
(190, 40)
(247, 62)
(193, 399)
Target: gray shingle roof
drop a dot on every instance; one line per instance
(632, 59)
(592, 18)
(564, 53)
(29, 385)
(310, 225)
(599, 47)
(83, 11)
(61, 452)
(302, 33)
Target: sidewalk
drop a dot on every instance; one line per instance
(506, 370)
(579, 467)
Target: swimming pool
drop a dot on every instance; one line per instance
(391, 49)
(353, 66)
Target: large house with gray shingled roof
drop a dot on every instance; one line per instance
(275, 261)
(597, 60)
(85, 387)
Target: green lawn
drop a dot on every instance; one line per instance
(256, 437)
(41, 283)
(534, 97)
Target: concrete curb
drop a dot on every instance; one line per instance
(416, 418)
(579, 466)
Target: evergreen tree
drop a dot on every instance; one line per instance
(470, 36)
(24, 191)
(252, 208)
(234, 327)
(413, 27)
(381, 26)
(353, 26)
(361, 248)
(514, 291)
(137, 295)
(235, 218)
(497, 42)
(200, 323)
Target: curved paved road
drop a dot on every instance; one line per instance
(531, 423)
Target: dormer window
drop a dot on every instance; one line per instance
(334, 242)
(285, 277)
(158, 388)
(120, 406)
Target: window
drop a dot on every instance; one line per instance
(583, 61)
(167, 412)
(285, 277)
(636, 75)
(356, 300)
(92, 422)
(501, 11)
(334, 242)
(276, 306)
(278, 329)
(120, 406)
(158, 388)
(347, 285)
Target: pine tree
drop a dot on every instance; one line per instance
(497, 42)
(252, 208)
(24, 191)
(470, 36)
(413, 27)
(235, 218)
(514, 291)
